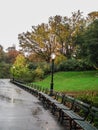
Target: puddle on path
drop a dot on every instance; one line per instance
(11, 99)
(2, 97)
(18, 90)
(36, 111)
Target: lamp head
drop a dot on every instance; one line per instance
(53, 56)
(13, 67)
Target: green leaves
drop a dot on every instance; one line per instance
(90, 43)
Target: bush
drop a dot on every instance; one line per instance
(38, 70)
(4, 70)
(68, 65)
(39, 73)
(32, 66)
(46, 68)
(84, 65)
(59, 59)
(74, 65)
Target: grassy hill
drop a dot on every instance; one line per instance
(72, 81)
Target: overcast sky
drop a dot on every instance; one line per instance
(17, 16)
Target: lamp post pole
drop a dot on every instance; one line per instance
(52, 74)
(13, 72)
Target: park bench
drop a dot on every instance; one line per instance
(46, 99)
(85, 125)
(93, 116)
(92, 120)
(77, 116)
(42, 94)
(74, 111)
(56, 99)
(31, 90)
(34, 89)
(66, 103)
(27, 88)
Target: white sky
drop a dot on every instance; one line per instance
(17, 16)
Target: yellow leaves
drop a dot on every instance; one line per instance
(20, 61)
(93, 14)
(59, 59)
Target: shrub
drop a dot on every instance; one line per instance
(32, 66)
(39, 73)
(59, 59)
(46, 68)
(68, 65)
(84, 65)
(74, 65)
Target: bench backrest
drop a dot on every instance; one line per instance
(93, 116)
(68, 101)
(59, 96)
(81, 108)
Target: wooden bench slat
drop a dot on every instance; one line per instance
(85, 125)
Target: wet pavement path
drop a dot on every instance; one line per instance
(20, 110)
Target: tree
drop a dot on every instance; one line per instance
(89, 45)
(67, 31)
(20, 70)
(4, 70)
(2, 54)
(59, 26)
(11, 55)
(92, 16)
(58, 36)
(38, 42)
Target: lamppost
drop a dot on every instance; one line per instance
(52, 72)
(13, 72)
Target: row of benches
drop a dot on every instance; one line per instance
(72, 110)
(76, 113)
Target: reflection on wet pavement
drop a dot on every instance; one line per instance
(20, 110)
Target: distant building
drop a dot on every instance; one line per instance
(11, 48)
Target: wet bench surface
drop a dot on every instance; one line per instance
(20, 110)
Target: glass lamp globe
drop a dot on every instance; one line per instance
(53, 56)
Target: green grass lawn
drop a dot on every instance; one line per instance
(72, 81)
